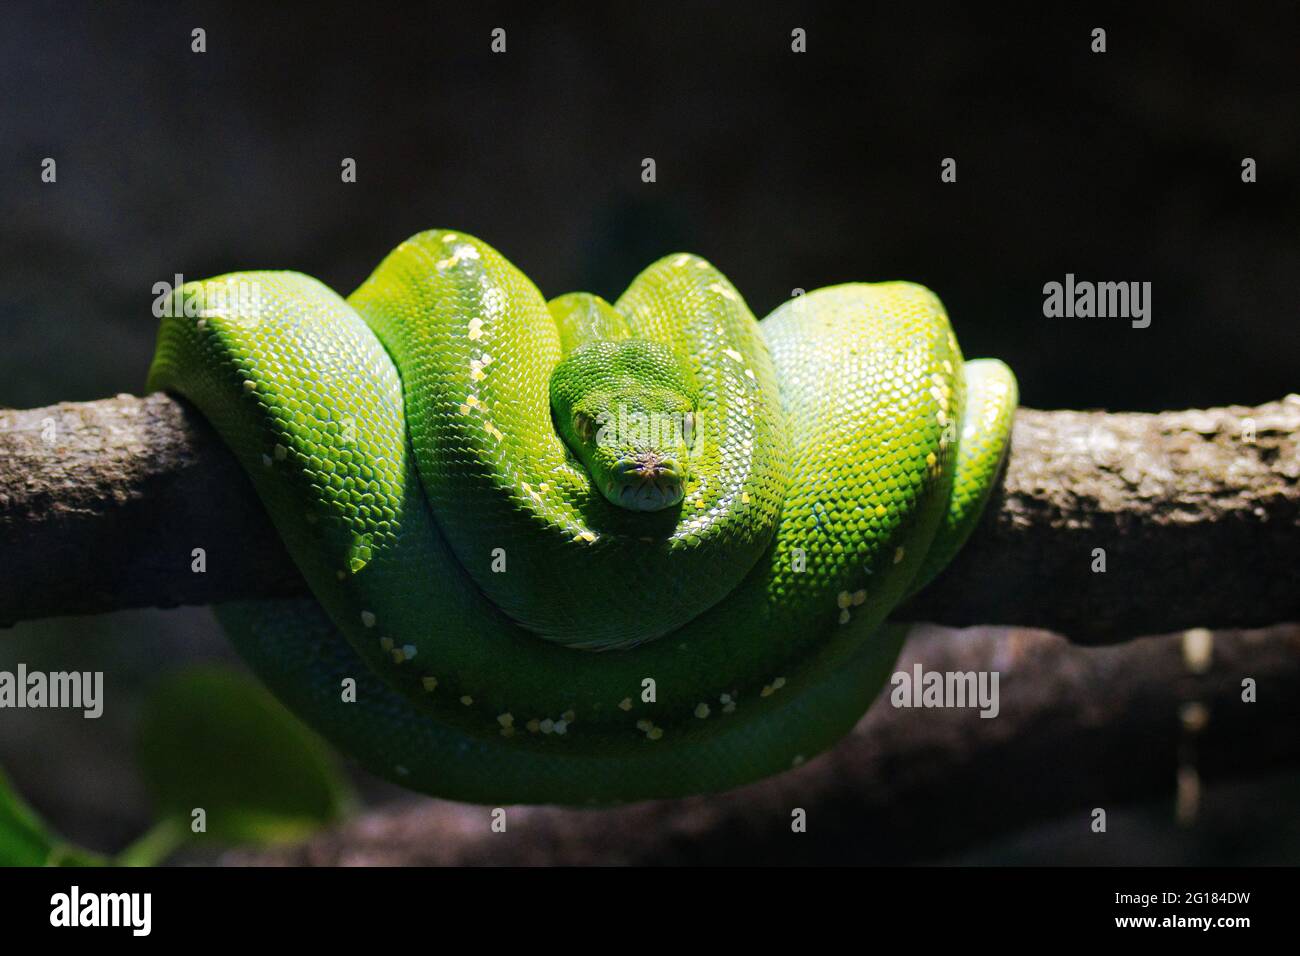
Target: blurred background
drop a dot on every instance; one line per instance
(786, 170)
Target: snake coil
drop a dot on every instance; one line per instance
(536, 593)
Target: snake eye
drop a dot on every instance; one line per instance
(582, 424)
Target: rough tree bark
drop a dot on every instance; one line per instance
(101, 504)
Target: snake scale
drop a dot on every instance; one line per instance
(581, 552)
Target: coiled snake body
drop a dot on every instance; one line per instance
(578, 552)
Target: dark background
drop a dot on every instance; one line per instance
(786, 170)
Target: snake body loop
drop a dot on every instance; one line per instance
(534, 610)
(477, 347)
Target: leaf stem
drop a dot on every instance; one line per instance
(161, 840)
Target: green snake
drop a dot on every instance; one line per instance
(580, 552)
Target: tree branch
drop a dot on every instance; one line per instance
(101, 504)
(1078, 728)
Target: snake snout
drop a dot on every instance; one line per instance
(646, 481)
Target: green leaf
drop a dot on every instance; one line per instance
(214, 740)
(25, 840)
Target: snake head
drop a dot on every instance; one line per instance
(627, 412)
